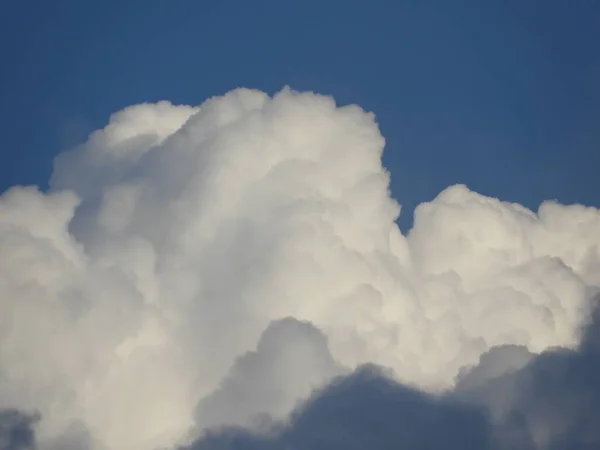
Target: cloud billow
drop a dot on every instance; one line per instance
(188, 257)
(551, 401)
(366, 410)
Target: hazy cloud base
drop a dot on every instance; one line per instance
(550, 402)
(197, 268)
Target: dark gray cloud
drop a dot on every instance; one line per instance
(366, 410)
(17, 430)
(555, 397)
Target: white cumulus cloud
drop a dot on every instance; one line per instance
(175, 236)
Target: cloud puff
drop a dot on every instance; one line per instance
(556, 396)
(291, 360)
(366, 409)
(173, 237)
(510, 400)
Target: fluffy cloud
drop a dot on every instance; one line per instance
(510, 400)
(291, 360)
(136, 291)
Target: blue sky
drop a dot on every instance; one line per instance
(503, 96)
